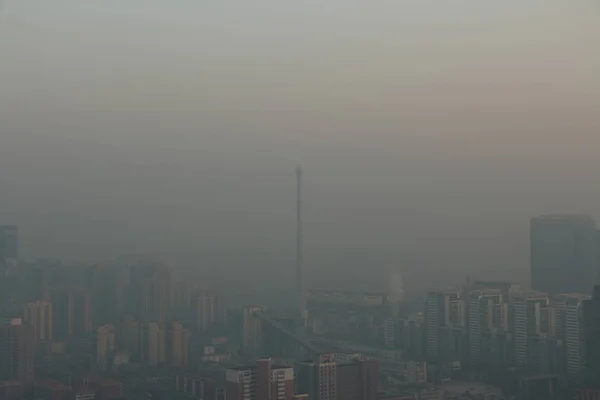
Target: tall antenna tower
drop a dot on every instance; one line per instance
(299, 247)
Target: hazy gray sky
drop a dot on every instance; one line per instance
(429, 130)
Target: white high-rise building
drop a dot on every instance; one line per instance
(527, 318)
(252, 331)
(443, 309)
(570, 329)
(484, 316)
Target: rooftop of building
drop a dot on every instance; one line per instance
(580, 296)
(564, 216)
(529, 294)
(445, 290)
(345, 292)
(254, 366)
(572, 220)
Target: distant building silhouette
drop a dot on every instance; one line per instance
(358, 380)
(105, 346)
(9, 251)
(150, 288)
(563, 253)
(71, 313)
(38, 314)
(16, 351)
(178, 345)
(9, 242)
(591, 326)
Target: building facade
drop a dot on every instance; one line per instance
(38, 315)
(563, 253)
(16, 351)
(262, 380)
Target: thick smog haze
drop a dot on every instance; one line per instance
(429, 132)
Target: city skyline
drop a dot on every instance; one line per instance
(458, 112)
(339, 200)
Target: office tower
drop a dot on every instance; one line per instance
(318, 379)
(251, 331)
(570, 328)
(16, 351)
(105, 346)
(260, 381)
(38, 315)
(178, 345)
(591, 326)
(72, 313)
(150, 289)
(445, 325)
(563, 254)
(358, 380)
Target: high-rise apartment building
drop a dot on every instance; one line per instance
(260, 381)
(204, 311)
(150, 289)
(38, 315)
(182, 293)
(318, 379)
(406, 335)
(108, 286)
(178, 345)
(105, 346)
(445, 325)
(8, 264)
(153, 344)
(570, 329)
(72, 313)
(488, 315)
(252, 331)
(358, 380)
(16, 351)
(199, 387)
(528, 310)
(209, 310)
(563, 253)
(9, 242)
(129, 337)
(591, 327)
